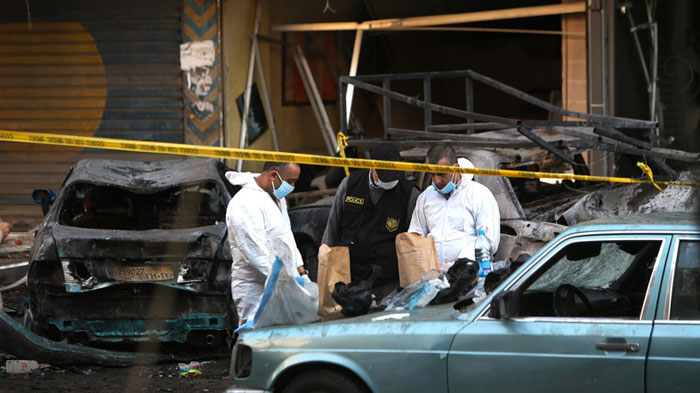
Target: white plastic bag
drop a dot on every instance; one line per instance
(285, 300)
(418, 294)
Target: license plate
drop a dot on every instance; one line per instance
(142, 273)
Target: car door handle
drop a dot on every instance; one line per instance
(617, 347)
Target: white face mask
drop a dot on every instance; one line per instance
(386, 185)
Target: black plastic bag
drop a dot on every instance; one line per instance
(356, 298)
(496, 277)
(462, 277)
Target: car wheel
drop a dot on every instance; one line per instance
(324, 381)
(309, 252)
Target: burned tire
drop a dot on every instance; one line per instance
(324, 381)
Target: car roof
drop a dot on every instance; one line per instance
(666, 221)
(146, 176)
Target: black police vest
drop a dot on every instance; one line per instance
(370, 230)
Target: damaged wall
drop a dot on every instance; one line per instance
(199, 60)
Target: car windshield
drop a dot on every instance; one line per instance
(109, 207)
(592, 271)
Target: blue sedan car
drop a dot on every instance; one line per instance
(607, 306)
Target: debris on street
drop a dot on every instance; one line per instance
(15, 366)
(191, 369)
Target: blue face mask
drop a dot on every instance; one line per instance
(284, 189)
(448, 187)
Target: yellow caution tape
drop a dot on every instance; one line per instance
(647, 171)
(310, 159)
(342, 144)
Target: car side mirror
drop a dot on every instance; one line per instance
(44, 197)
(505, 305)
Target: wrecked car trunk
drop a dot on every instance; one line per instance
(134, 252)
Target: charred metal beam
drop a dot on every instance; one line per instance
(469, 96)
(618, 136)
(467, 127)
(409, 143)
(428, 97)
(579, 132)
(425, 105)
(470, 139)
(626, 123)
(649, 154)
(343, 107)
(662, 166)
(387, 107)
(413, 75)
(589, 123)
(546, 145)
(613, 137)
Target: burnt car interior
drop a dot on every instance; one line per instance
(107, 207)
(592, 279)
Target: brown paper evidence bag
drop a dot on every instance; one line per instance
(416, 255)
(333, 267)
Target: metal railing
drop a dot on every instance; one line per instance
(605, 135)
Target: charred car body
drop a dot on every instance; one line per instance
(134, 251)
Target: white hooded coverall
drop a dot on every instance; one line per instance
(258, 231)
(453, 222)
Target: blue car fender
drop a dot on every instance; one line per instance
(322, 358)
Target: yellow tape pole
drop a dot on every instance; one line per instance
(342, 144)
(262, 155)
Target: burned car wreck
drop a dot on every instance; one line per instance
(135, 252)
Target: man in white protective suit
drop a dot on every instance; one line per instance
(259, 231)
(454, 208)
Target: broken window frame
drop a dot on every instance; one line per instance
(177, 221)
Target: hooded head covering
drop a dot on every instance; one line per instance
(386, 152)
(464, 163)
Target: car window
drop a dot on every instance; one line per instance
(105, 207)
(685, 298)
(598, 271)
(605, 279)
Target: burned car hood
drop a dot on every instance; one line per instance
(144, 176)
(189, 243)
